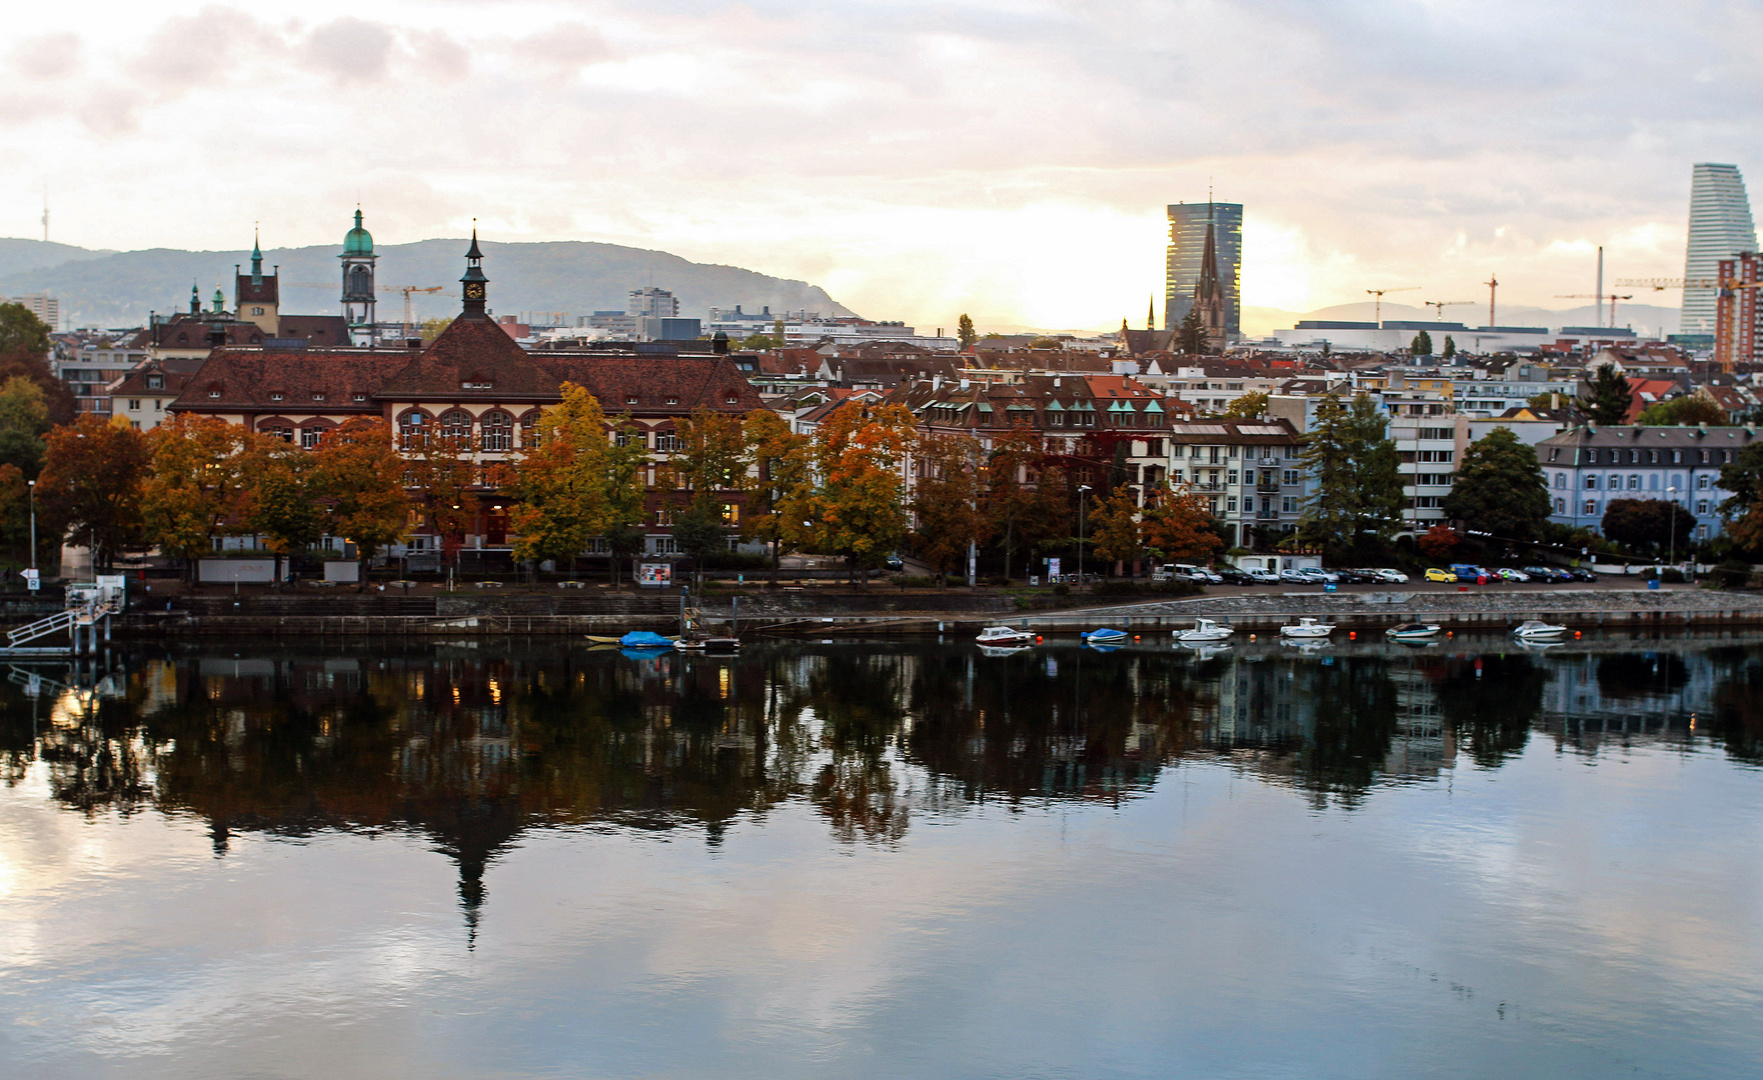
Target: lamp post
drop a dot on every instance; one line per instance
(1082, 493)
(32, 485)
(1672, 528)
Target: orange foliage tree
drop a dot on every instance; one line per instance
(90, 488)
(358, 477)
(859, 506)
(1178, 525)
(946, 500)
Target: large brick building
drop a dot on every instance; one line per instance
(472, 382)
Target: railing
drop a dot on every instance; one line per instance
(1268, 487)
(61, 620)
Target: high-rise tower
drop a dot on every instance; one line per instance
(1186, 257)
(1720, 227)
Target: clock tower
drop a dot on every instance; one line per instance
(358, 292)
(476, 284)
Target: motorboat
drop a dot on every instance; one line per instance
(1307, 626)
(1003, 650)
(1309, 645)
(1537, 630)
(644, 639)
(1106, 636)
(1412, 631)
(1204, 631)
(709, 644)
(1006, 635)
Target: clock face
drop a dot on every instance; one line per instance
(474, 291)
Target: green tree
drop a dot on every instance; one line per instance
(1743, 477)
(1357, 472)
(23, 332)
(1450, 350)
(276, 498)
(1421, 345)
(1607, 401)
(24, 420)
(700, 532)
(90, 488)
(358, 477)
(1248, 407)
(1499, 488)
(1646, 526)
(1545, 401)
(759, 342)
(1689, 410)
(946, 501)
(1190, 337)
(965, 332)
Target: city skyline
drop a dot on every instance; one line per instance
(903, 190)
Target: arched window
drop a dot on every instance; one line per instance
(498, 430)
(456, 425)
(529, 430)
(413, 430)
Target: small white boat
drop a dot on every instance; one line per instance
(1307, 627)
(1004, 635)
(1105, 636)
(1204, 631)
(1537, 630)
(1412, 631)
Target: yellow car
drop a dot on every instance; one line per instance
(1440, 575)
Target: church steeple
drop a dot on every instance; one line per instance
(1151, 315)
(195, 300)
(1209, 291)
(476, 284)
(256, 259)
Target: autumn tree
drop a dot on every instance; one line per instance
(1648, 525)
(276, 498)
(627, 461)
(563, 480)
(1116, 532)
(781, 464)
(710, 463)
(1689, 410)
(444, 473)
(1177, 524)
(90, 488)
(858, 508)
(1437, 541)
(358, 477)
(964, 331)
(946, 501)
(193, 488)
(1248, 407)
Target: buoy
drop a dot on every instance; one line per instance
(1037, 639)
(1251, 637)
(1450, 633)
(1352, 635)
(1135, 637)
(1576, 635)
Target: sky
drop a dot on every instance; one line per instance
(918, 159)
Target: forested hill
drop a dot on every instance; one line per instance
(106, 289)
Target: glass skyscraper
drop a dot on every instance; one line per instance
(1187, 248)
(1720, 227)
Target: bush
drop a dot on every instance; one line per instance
(1731, 574)
(1062, 589)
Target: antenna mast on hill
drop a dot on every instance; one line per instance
(45, 211)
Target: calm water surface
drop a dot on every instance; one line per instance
(525, 859)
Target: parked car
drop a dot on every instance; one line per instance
(1582, 574)
(1435, 574)
(1508, 574)
(1471, 572)
(1206, 577)
(1263, 577)
(1394, 577)
(1326, 575)
(896, 563)
(1299, 576)
(1547, 573)
(1232, 576)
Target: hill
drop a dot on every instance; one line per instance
(105, 288)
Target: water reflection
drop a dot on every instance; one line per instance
(471, 744)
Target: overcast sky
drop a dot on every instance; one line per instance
(1011, 158)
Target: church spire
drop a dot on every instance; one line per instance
(1208, 291)
(1151, 314)
(256, 258)
(476, 284)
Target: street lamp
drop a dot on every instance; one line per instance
(1082, 489)
(32, 484)
(1672, 528)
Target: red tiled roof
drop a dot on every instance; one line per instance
(263, 291)
(665, 385)
(247, 380)
(473, 359)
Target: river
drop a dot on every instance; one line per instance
(525, 858)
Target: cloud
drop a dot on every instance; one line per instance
(48, 56)
(350, 49)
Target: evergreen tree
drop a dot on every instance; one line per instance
(1377, 472)
(1191, 336)
(964, 330)
(1499, 488)
(1421, 345)
(1357, 473)
(1608, 402)
(1450, 350)
(1328, 518)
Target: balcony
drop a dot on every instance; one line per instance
(1267, 487)
(1271, 463)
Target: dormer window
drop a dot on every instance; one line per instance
(731, 398)
(630, 399)
(475, 384)
(275, 395)
(359, 396)
(318, 395)
(673, 399)
(156, 382)
(214, 391)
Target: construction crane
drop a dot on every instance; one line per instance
(1493, 283)
(1600, 298)
(407, 290)
(1440, 305)
(1377, 305)
(1729, 349)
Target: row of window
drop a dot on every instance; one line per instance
(1231, 477)
(1704, 507)
(1227, 453)
(1614, 482)
(1288, 504)
(1619, 456)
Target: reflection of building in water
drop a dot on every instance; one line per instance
(1595, 695)
(1423, 742)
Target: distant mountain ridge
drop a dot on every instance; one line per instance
(119, 288)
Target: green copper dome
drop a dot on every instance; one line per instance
(359, 241)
